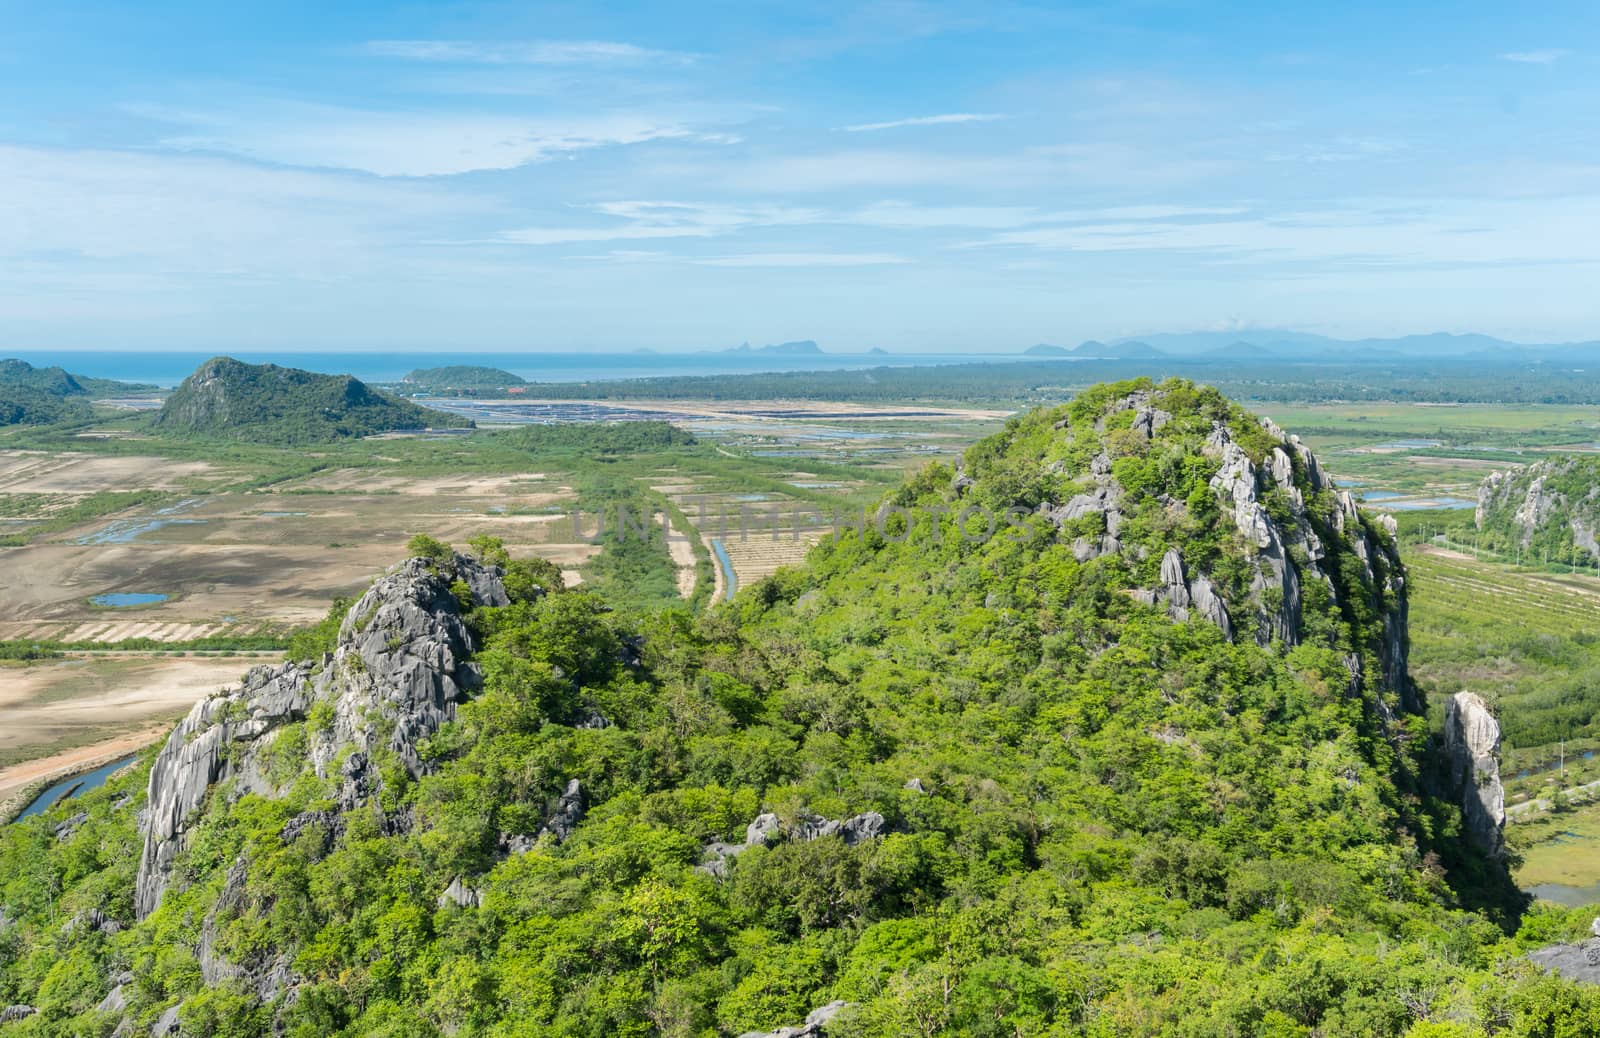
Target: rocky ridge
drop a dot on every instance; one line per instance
(399, 670)
(1550, 508)
(1285, 514)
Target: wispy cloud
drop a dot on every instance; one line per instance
(1548, 56)
(1376, 233)
(525, 52)
(804, 259)
(645, 220)
(926, 120)
(412, 144)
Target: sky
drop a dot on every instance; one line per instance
(914, 176)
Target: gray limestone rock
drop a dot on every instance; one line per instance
(460, 895)
(816, 1023)
(1472, 742)
(397, 674)
(568, 813)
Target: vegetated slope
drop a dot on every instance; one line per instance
(1144, 761)
(462, 378)
(1548, 512)
(39, 396)
(56, 381)
(22, 405)
(228, 399)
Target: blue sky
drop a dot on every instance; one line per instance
(918, 176)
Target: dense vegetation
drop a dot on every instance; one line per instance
(462, 379)
(229, 400)
(56, 381)
(42, 396)
(1098, 821)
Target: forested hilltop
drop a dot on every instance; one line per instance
(1106, 731)
(41, 396)
(230, 400)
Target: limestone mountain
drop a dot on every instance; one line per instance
(1107, 731)
(229, 399)
(1547, 511)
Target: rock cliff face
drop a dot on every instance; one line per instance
(1284, 516)
(1549, 510)
(399, 669)
(1472, 741)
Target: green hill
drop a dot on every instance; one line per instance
(461, 378)
(56, 381)
(39, 396)
(228, 399)
(1547, 512)
(1108, 731)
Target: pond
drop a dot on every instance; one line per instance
(71, 787)
(1565, 894)
(127, 599)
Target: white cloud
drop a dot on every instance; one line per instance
(412, 144)
(925, 120)
(1548, 56)
(526, 52)
(804, 259)
(1381, 232)
(208, 217)
(905, 215)
(1342, 149)
(663, 220)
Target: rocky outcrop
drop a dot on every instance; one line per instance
(1555, 501)
(458, 893)
(567, 815)
(11, 1014)
(1283, 518)
(768, 829)
(816, 1023)
(1472, 747)
(398, 671)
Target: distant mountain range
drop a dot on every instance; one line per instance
(1282, 344)
(1094, 350)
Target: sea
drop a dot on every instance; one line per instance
(168, 369)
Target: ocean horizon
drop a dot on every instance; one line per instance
(167, 369)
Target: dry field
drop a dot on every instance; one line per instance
(52, 705)
(38, 472)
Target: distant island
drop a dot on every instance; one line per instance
(801, 347)
(227, 399)
(1044, 349)
(462, 379)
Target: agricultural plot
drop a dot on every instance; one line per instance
(1525, 640)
